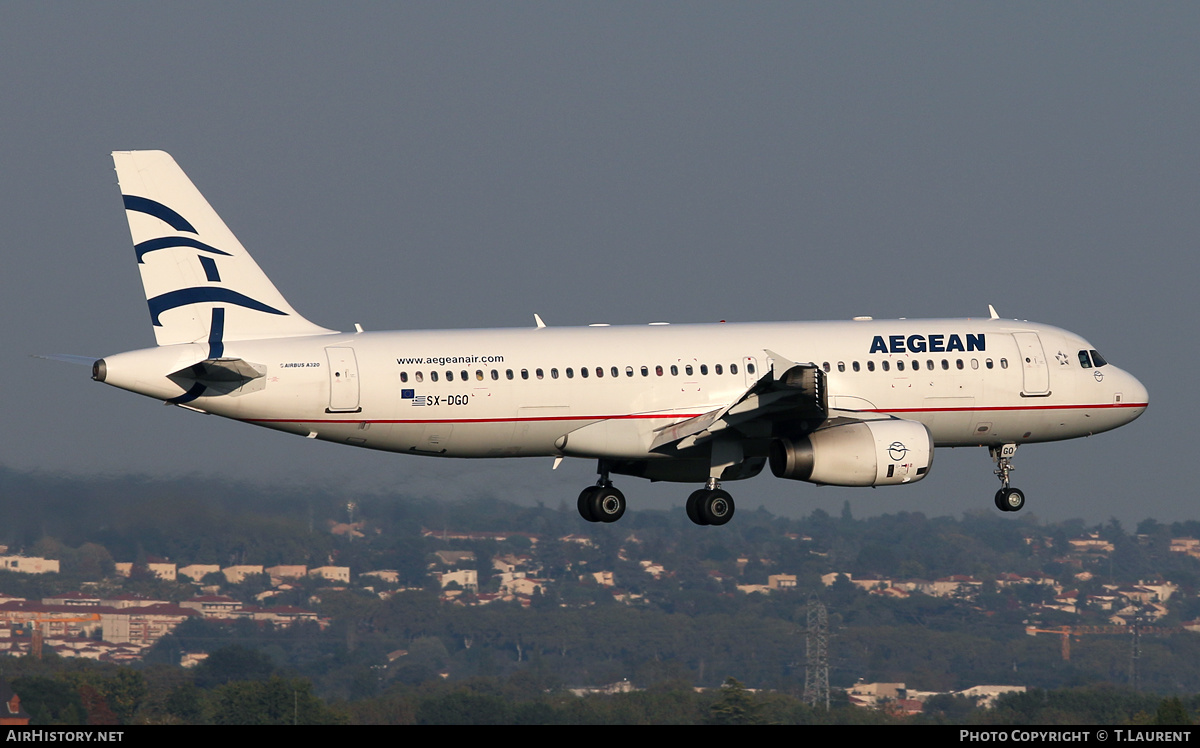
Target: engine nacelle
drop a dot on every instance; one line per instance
(866, 453)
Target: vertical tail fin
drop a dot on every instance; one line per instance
(201, 284)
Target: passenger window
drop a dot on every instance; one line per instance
(495, 374)
(583, 372)
(733, 368)
(658, 370)
(749, 368)
(539, 374)
(886, 366)
(945, 364)
(899, 366)
(463, 374)
(449, 376)
(674, 370)
(825, 366)
(554, 373)
(959, 363)
(599, 371)
(688, 370)
(717, 369)
(479, 375)
(1004, 363)
(404, 376)
(508, 373)
(614, 371)
(870, 366)
(987, 362)
(645, 371)
(419, 376)
(704, 370)
(524, 373)
(855, 366)
(570, 373)
(974, 363)
(841, 365)
(916, 365)
(433, 376)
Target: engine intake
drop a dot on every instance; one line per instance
(866, 453)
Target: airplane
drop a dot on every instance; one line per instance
(859, 402)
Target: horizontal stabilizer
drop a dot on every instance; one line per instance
(225, 376)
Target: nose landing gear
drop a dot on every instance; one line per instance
(1007, 499)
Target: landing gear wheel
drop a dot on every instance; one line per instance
(585, 503)
(607, 504)
(1007, 499)
(693, 504)
(1010, 499)
(714, 507)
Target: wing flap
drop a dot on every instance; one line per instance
(787, 391)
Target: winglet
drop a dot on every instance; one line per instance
(539, 321)
(992, 312)
(779, 363)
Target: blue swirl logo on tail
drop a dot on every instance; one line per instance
(195, 294)
(199, 294)
(159, 211)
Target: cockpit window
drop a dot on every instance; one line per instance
(1084, 360)
(1098, 360)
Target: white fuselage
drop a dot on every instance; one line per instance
(522, 392)
(853, 403)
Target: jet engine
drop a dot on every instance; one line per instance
(861, 453)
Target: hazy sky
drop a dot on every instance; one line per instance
(457, 164)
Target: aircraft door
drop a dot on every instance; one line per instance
(1033, 364)
(343, 380)
(750, 370)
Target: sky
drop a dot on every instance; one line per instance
(461, 165)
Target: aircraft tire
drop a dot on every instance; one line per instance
(606, 504)
(585, 503)
(693, 507)
(1010, 499)
(716, 507)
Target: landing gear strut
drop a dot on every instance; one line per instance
(601, 502)
(710, 505)
(1007, 499)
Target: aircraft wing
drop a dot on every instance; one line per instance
(788, 391)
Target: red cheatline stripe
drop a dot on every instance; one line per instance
(683, 416)
(672, 416)
(989, 409)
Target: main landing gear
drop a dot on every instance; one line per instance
(601, 503)
(1007, 499)
(710, 505)
(604, 503)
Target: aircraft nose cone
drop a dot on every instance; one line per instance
(1135, 395)
(1139, 392)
